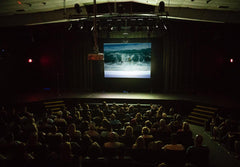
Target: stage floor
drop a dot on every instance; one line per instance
(213, 100)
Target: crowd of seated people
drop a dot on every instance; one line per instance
(226, 131)
(89, 135)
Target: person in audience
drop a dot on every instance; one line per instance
(34, 147)
(113, 141)
(138, 119)
(162, 165)
(95, 136)
(27, 136)
(94, 151)
(139, 144)
(147, 136)
(148, 124)
(114, 122)
(184, 135)
(198, 154)
(66, 152)
(106, 128)
(137, 123)
(105, 107)
(222, 130)
(174, 146)
(159, 113)
(86, 142)
(153, 109)
(54, 139)
(155, 145)
(162, 131)
(176, 124)
(128, 138)
(75, 135)
(61, 122)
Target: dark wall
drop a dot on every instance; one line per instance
(190, 57)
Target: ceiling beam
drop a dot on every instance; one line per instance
(174, 13)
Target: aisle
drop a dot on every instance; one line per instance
(219, 156)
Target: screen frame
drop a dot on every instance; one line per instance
(132, 74)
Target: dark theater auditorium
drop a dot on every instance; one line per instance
(119, 83)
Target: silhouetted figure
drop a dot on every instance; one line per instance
(198, 154)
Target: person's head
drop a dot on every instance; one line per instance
(128, 131)
(94, 151)
(164, 115)
(162, 122)
(185, 126)
(66, 148)
(79, 106)
(106, 125)
(91, 127)
(66, 137)
(85, 106)
(140, 143)
(86, 140)
(113, 137)
(71, 128)
(112, 116)
(145, 130)
(198, 140)
(178, 117)
(227, 122)
(138, 116)
(148, 123)
(104, 103)
(54, 129)
(77, 115)
(154, 107)
(171, 110)
(148, 113)
(162, 165)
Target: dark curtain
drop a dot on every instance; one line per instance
(78, 71)
(178, 59)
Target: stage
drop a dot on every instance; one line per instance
(128, 97)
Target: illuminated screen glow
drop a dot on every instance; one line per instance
(127, 60)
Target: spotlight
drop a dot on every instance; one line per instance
(30, 60)
(92, 28)
(77, 8)
(231, 60)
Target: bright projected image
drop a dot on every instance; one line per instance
(127, 60)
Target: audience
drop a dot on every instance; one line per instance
(72, 134)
